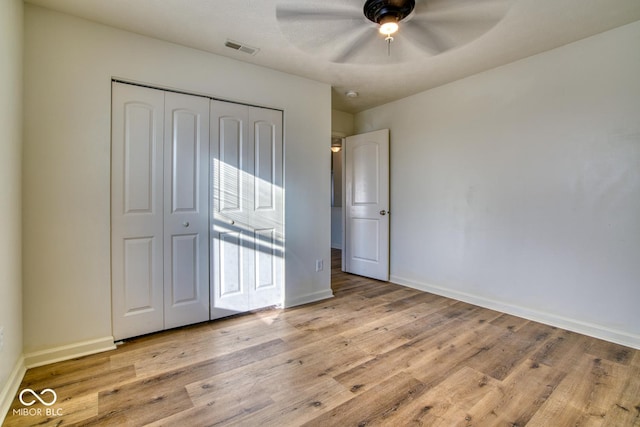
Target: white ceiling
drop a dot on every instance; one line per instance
(306, 47)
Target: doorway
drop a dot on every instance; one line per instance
(337, 235)
(360, 200)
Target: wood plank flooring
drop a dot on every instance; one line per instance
(376, 354)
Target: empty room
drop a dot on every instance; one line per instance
(320, 212)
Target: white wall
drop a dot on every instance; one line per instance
(69, 64)
(519, 188)
(342, 122)
(11, 43)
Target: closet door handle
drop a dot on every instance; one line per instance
(185, 224)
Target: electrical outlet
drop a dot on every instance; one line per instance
(319, 265)
(1, 338)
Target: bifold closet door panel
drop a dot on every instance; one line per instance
(137, 210)
(160, 210)
(247, 238)
(186, 209)
(267, 219)
(231, 165)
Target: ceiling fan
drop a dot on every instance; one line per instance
(357, 31)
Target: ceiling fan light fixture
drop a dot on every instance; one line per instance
(388, 25)
(383, 11)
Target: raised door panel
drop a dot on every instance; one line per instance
(230, 293)
(366, 172)
(365, 238)
(184, 266)
(230, 268)
(138, 159)
(228, 173)
(266, 256)
(186, 212)
(138, 275)
(185, 154)
(137, 210)
(267, 286)
(265, 152)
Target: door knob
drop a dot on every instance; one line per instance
(383, 212)
(232, 222)
(186, 223)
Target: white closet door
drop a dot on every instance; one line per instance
(186, 210)
(172, 263)
(137, 210)
(247, 220)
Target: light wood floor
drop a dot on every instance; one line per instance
(376, 354)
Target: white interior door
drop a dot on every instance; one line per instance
(186, 210)
(248, 213)
(366, 229)
(137, 210)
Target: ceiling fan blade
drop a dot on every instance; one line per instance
(312, 14)
(424, 37)
(324, 28)
(440, 25)
(461, 10)
(363, 36)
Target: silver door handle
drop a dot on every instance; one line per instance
(383, 212)
(186, 223)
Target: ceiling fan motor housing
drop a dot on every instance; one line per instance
(377, 10)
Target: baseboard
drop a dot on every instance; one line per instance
(58, 354)
(306, 299)
(585, 328)
(10, 389)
